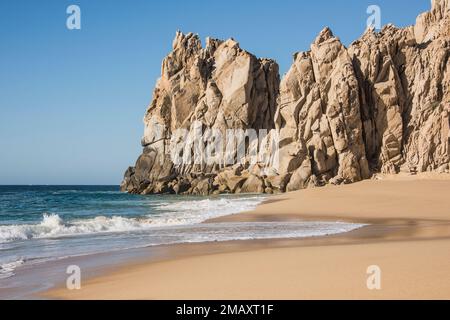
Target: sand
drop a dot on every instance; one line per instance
(408, 239)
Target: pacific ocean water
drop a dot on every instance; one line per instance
(39, 224)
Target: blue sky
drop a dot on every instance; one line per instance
(72, 101)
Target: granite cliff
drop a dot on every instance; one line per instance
(339, 114)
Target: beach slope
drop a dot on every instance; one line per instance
(408, 239)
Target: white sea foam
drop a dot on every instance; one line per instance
(188, 212)
(230, 231)
(53, 226)
(169, 214)
(7, 269)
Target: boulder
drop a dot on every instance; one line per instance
(300, 177)
(253, 184)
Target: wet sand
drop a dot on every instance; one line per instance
(408, 238)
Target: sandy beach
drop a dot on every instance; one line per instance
(408, 238)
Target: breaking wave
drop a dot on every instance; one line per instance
(167, 214)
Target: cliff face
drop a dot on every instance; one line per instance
(338, 115)
(404, 84)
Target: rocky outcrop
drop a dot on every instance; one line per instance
(404, 91)
(339, 115)
(218, 87)
(319, 117)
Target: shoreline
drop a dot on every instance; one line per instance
(408, 236)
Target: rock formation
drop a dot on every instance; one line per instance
(339, 114)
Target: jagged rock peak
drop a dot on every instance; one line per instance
(324, 35)
(186, 41)
(190, 44)
(434, 23)
(212, 44)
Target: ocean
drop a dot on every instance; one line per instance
(41, 224)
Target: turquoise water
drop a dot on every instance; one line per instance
(28, 203)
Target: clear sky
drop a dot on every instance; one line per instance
(72, 101)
